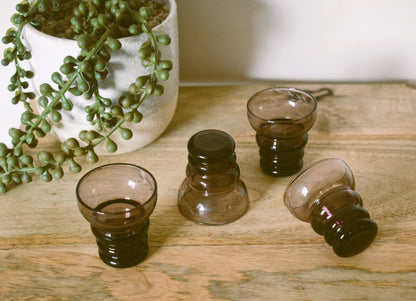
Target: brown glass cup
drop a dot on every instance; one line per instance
(117, 200)
(281, 118)
(212, 192)
(323, 194)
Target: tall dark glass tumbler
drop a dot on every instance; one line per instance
(281, 118)
(117, 200)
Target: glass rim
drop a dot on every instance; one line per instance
(278, 89)
(94, 170)
(308, 168)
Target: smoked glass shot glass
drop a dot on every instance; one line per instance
(281, 118)
(117, 200)
(323, 195)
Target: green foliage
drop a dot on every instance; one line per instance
(98, 25)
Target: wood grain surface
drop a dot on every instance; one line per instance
(47, 251)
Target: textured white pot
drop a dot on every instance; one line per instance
(48, 53)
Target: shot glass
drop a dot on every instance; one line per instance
(117, 200)
(323, 195)
(281, 118)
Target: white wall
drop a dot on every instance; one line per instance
(314, 40)
(353, 40)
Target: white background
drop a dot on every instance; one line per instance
(332, 40)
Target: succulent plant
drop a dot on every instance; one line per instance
(97, 27)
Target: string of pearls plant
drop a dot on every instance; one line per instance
(98, 25)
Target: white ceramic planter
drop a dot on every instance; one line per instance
(48, 53)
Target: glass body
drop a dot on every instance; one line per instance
(212, 192)
(117, 200)
(323, 195)
(281, 118)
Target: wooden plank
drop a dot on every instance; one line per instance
(48, 252)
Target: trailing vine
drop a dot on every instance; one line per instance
(98, 25)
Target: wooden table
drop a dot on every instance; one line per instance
(47, 251)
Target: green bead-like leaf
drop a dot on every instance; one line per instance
(134, 29)
(75, 91)
(117, 111)
(6, 179)
(30, 138)
(85, 66)
(67, 105)
(27, 160)
(125, 133)
(91, 135)
(26, 117)
(113, 43)
(12, 87)
(137, 117)
(83, 9)
(7, 39)
(26, 178)
(3, 150)
(83, 86)
(111, 146)
(17, 150)
(17, 179)
(145, 12)
(166, 65)
(57, 78)
(129, 116)
(83, 41)
(40, 133)
(126, 101)
(67, 68)
(58, 173)
(46, 176)
(3, 188)
(94, 22)
(56, 5)
(79, 151)
(141, 81)
(46, 89)
(12, 162)
(45, 157)
(5, 62)
(42, 6)
(133, 89)
(39, 170)
(45, 126)
(92, 157)
(100, 65)
(60, 158)
(158, 90)
(74, 167)
(3, 163)
(163, 39)
(43, 101)
(55, 116)
(15, 133)
(163, 75)
(144, 53)
(103, 20)
(149, 89)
